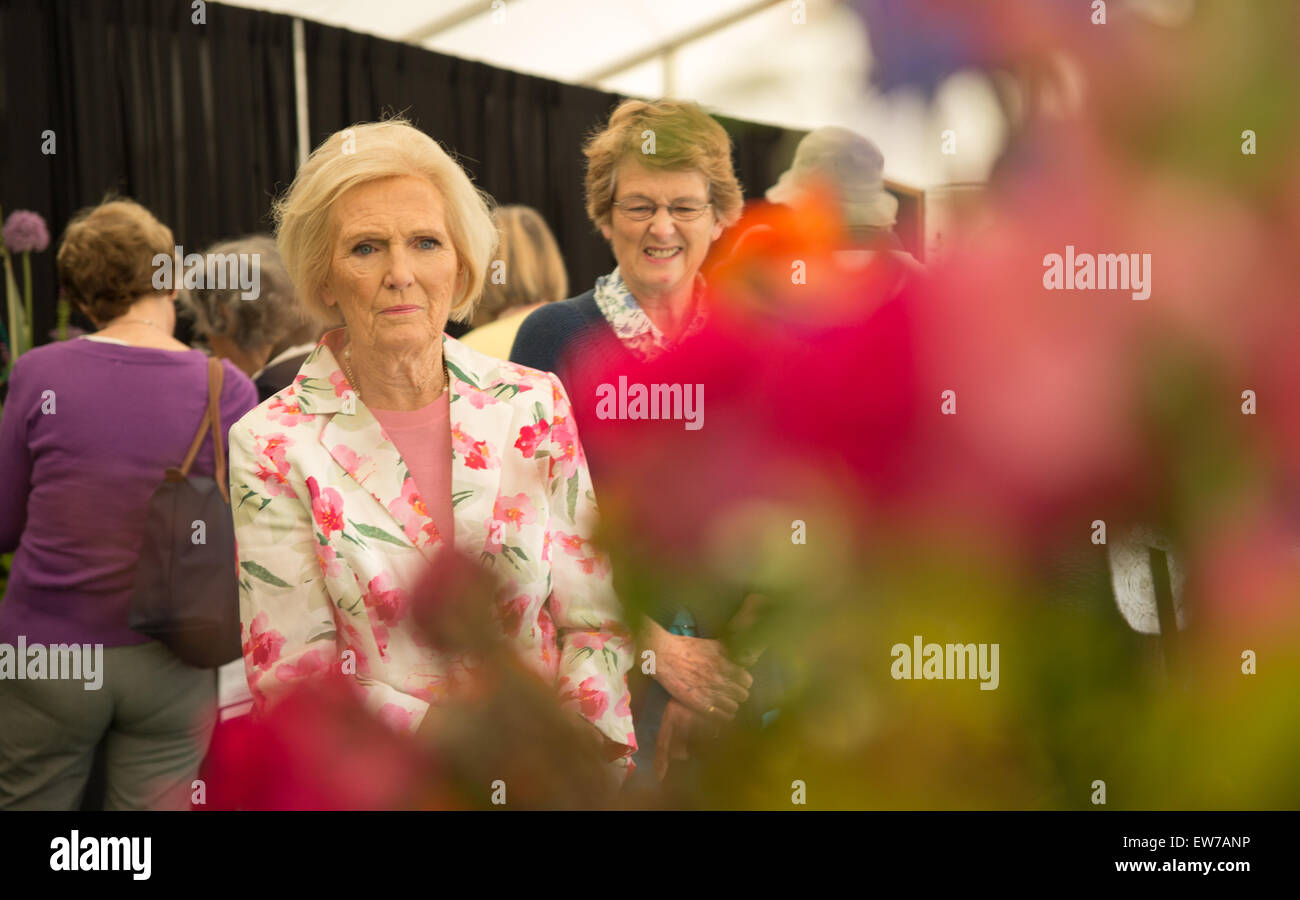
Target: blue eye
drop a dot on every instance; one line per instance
(429, 243)
(359, 247)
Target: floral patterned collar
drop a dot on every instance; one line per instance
(630, 322)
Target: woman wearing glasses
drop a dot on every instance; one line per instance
(661, 189)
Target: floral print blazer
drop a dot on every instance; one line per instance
(332, 536)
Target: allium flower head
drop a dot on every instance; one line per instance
(25, 232)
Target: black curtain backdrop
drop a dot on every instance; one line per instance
(193, 121)
(519, 136)
(197, 121)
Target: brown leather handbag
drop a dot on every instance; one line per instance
(186, 588)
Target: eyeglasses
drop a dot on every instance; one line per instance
(639, 209)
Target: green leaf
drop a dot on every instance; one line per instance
(254, 569)
(452, 367)
(541, 454)
(458, 496)
(265, 501)
(348, 537)
(583, 652)
(379, 534)
(573, 496)
(538, 412)
(517, 552)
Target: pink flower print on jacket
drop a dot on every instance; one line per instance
(517, 510)
(273, 447)
(359, 466)
(410, 510)
(477, 454)
(573, 544)
(550, 656)
(396, 717)
(512, 614)
(590, 639)
(340, 383)
(477, 398)
(290, 413)
(263, 644)
(390, 604)
(313, 662)
(530, 436)
(568, 453)
(591, 700)
(329, 561)
(272, 467)
(326, 506)
(387, 606)
(352, 641)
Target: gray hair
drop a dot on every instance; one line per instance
(273, 317)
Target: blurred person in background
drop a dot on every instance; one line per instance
(267, 336)
(661, 204)
(850, 169)
(397, 443)
(90, 427)
(527, 272)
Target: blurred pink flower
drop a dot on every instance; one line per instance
(289, 758)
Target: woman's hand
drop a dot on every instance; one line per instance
(697, 672)
(679, 727)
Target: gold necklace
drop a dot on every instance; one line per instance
(347, 370)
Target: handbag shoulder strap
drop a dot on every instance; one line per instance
(211, 422)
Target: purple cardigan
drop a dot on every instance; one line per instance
(88, 429)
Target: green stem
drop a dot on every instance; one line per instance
(11, 300)
(27, 296)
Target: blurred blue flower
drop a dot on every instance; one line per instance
(919, 43)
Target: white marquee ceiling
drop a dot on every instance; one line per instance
(762, 66)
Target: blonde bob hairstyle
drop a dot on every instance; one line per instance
(305, 230)
(532, 263)
(685, 138)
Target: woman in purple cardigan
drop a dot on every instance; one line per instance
(89, 427)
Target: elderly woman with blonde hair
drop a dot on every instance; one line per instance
(661, 189)
(397, 443)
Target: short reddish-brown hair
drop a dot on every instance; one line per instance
(105, 258)
(685, 138)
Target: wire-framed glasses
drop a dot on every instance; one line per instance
(639, 209)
